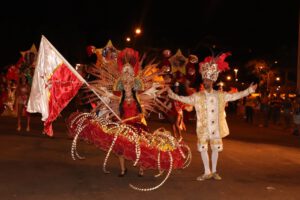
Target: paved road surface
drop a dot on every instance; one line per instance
(257, 163)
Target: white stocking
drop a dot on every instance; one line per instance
(205, 159)
(214, 160)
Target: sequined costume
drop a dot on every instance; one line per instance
(210, 110)
(211, 119)
(131, 93)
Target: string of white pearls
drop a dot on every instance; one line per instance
(110, 148)
(159, 185)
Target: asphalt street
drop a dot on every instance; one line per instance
(256, 163)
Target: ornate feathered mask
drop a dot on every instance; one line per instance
(212, 66)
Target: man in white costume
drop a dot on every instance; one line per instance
(210, 110)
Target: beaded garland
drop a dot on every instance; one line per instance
(160, 140)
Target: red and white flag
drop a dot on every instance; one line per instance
(55, 83)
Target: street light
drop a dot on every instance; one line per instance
(128, 39)
(235, 74)
(138, 31)
(228, 78)
(136, 37)
(277, 78)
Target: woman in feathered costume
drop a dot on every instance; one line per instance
(128, 91)
(129, 108)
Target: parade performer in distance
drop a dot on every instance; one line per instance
(175, 113)
(24, 68)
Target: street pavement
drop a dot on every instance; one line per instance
(256, 163)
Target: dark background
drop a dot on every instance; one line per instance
(249, 28)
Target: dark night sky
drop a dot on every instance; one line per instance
(265, 27)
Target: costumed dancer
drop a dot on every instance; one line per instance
(210, 109)
(131, 93)
(23, 68)
(129, 85)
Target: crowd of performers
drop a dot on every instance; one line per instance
(124, 90)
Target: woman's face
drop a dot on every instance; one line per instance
(127, 87)
(128, 70)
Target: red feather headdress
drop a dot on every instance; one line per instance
(129, 55)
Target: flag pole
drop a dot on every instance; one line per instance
(80, 77)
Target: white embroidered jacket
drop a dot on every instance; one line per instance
(210, 111)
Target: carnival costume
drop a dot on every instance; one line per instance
(104, 55)
(210, 110)
(126, 135)
(24, 67)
